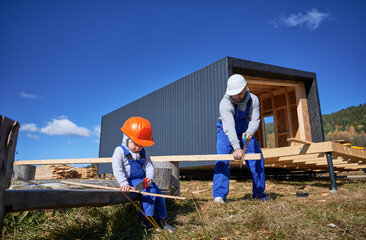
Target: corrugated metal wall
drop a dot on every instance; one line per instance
(183, 116)
(184, 113)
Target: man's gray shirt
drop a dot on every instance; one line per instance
(227, 113)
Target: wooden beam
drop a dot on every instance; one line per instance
(117, 189)
(270, 82)
(24, 200)
(288, 110)
(172, 158)
(8, 140)
(302, 112)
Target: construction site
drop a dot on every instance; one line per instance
(288, 96)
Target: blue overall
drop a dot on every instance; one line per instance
(149, 204)
(220, 187)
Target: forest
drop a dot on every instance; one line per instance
(347, 124)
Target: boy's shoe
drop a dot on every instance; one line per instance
(219, 200)
(169, 228)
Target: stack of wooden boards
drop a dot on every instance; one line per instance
(64, 171)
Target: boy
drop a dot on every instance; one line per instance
(131, 165)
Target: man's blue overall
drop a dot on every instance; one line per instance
(137, 174)
(221, 178)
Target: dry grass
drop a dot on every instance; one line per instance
(321, 215)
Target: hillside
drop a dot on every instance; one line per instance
(347, 124)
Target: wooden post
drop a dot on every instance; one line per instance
(174, 182)
(163, 178)
(8, 141)
(26, 171)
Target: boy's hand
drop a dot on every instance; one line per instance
(148, 182)
(126, 188)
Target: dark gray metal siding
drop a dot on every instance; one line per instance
(183, 116)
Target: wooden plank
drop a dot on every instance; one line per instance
(296, 157)
(299, 141)
(24, 200)
(321, 147)
(346, 151)
(172, 158)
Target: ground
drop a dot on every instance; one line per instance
(320, 215)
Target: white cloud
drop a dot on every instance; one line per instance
(32, 136)
(311, 19)
(29, 127)
(27, 95)
(60, 126)
(97, 130)
(65, 127)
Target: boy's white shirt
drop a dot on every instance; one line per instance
(121, 167)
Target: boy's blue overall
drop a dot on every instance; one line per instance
(221, 178)
(149, 204)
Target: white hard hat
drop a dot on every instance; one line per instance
(235, 84)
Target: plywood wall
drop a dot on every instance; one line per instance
(287, 103)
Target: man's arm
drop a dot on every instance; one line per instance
(226, 110)
(254, 116)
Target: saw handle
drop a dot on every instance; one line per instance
(244, 150)
(145, 182)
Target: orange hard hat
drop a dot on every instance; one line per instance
(139, 130)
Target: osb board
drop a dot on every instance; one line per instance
(292, 97)
(280, 100)
(282, 125)
(267, 105)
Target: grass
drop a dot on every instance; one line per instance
(321, 215)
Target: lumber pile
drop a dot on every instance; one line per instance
(88, 172)
(64, 171)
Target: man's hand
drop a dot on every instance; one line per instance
(249, 137)
(126, 188)
(148, 182)
(238, 153)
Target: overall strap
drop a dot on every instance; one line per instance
(142, 154)
(129, 156)
(127, 153)
(249, 104)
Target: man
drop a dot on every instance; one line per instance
(239, 116)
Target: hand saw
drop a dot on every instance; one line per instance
(141, 185)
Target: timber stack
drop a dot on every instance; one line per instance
(65, 171)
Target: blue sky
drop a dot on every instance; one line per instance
(65, 64)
